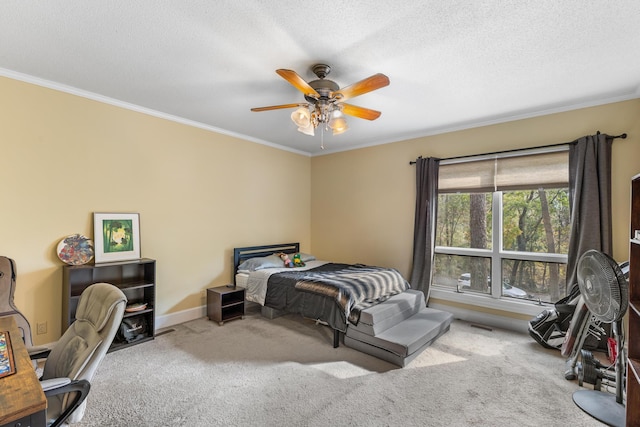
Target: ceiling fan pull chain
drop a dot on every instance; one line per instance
(322, 137)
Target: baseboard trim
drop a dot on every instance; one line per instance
(481, 318)
(176, 318)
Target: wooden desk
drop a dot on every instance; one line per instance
(22, 401)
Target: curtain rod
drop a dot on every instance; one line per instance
(621, 136)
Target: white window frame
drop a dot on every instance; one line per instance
(495, 301)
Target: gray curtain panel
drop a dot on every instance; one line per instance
(425, 223)
(590, 199)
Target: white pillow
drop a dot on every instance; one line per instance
(258, 263)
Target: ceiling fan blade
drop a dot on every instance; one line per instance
(277, 107)
(363, 86)
(298, 82)
(363, 113)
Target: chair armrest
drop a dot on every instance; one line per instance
(78, 389)
(54, 383)
(38, 352)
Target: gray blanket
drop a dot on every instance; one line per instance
(353, 286)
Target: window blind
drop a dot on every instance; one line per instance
(515, 172)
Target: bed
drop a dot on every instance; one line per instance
(331, 293)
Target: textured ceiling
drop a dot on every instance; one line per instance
(452, 64)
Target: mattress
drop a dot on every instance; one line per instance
(241, 280)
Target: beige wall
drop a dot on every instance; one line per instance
(199, 194)
(363, 200)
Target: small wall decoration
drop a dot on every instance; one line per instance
(75, 249)
(116, 236)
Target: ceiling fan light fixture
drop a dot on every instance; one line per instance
(338, 123)
(341, 129)
(307, 130)
(301, 117)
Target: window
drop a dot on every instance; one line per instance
(504, 220)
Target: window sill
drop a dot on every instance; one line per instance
(510, 305)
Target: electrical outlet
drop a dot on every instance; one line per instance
(41, 328)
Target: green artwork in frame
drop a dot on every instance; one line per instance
(116, 236)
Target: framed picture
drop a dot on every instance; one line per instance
(116, 236)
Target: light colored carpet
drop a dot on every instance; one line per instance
(285, 372)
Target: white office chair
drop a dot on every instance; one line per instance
(74, 358)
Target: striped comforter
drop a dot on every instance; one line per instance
(354, 287)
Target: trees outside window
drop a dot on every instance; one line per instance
(516, 236)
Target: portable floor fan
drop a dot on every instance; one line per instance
(606, 294)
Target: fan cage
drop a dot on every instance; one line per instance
(603, 286)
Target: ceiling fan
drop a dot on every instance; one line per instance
(325, 105)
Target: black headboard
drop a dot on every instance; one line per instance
(241, 254)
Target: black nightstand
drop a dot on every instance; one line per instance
(225, 303)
